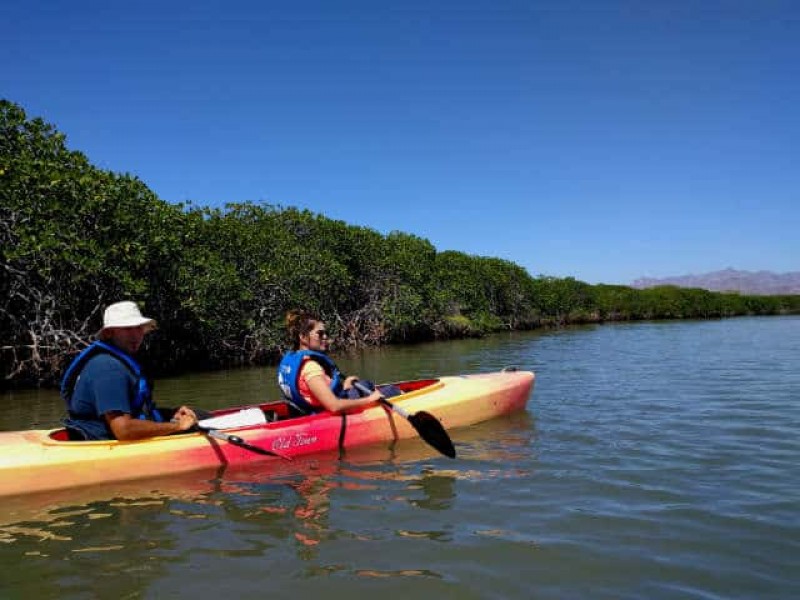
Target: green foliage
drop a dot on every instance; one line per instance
(74, 238)
(490, 293)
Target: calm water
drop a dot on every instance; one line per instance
(655, 460)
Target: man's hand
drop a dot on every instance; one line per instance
(185, 418)
(125, 428)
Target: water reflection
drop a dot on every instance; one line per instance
(110, 546)
(438, 490)
(287, 501)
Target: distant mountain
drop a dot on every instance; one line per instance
(730, 280)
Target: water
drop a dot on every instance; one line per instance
(655, 460)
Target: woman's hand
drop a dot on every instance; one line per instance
(320, 390)
(348, 381)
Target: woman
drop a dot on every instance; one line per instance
(308, 378)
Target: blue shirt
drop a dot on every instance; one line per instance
(104, 385)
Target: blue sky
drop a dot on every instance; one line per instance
(600, 140)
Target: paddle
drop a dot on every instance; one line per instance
(428, 427)
(237, 441)
(243, 418)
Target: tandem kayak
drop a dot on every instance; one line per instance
(42, 460)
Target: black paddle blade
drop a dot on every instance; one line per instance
(431, 430)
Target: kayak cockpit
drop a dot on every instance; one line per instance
(412, 386)
(60, 435)
(273, 411)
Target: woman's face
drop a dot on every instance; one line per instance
(316, 339)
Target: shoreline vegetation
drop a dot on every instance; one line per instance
(75, 238)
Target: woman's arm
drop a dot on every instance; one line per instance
(320, 390)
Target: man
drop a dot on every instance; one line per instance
(106, 393)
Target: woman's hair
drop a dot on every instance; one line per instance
(299, 322)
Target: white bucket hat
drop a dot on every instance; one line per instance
(124, 314)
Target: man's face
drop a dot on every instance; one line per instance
(128, 339)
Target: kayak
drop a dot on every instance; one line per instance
(44, 460)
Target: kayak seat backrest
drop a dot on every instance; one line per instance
(276, 411)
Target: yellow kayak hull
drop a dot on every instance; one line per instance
(41, 460)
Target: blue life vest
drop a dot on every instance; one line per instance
(142, 406)
(289, 376)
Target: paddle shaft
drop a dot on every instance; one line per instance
(395, 408)
(237, 441)
(426, 425)
(366, 391)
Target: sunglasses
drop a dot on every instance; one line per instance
(321, 333)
